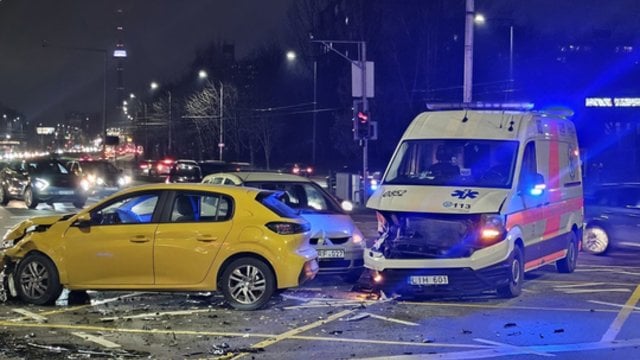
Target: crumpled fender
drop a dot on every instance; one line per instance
(20, 229)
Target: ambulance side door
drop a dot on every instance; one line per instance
(533, 226)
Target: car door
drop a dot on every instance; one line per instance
(117, 249)
(17, 178)
(189, 238)
(624, 214)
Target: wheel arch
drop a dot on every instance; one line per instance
(240, 255)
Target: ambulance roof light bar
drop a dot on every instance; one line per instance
(481, 105)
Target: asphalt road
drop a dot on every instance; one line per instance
(592, 313)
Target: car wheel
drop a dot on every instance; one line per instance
(596, 240)
(568, 264)
(247, 284)
(79, 203)
(4, 199)
(516, 275)
(29, 200)
(37, 280)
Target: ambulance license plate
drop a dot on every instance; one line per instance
(331, 253)
(429, 280)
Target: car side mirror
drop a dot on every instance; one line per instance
(83, 221)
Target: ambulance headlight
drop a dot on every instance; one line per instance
(492, 230)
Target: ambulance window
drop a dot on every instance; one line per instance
(529, 168)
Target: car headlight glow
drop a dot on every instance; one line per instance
(40, 184)
(84, 184)
(492, 230)
(100, 181)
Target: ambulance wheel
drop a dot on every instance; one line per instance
(516, 275)
(596, 240)
(568, 264)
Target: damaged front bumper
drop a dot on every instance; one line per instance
(485, 269)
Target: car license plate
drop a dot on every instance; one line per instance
(429, 280)
(65, 192)
(330, 253)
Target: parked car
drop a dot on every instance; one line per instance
(164, 237)
(40, 180)
(184, 171)
(146, 168)
(101, 177)
(298, 169)
(339, 242)
(612, 217)
(216, 166)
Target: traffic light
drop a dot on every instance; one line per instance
(360, 121)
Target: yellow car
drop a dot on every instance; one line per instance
(164, 237)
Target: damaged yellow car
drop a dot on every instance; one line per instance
(164, 237)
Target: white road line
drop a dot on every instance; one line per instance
(403, 322)
(156, 314)
(579, 285)
(29, 314)
(587, 291)
(520, 349)
(611, 304)
(96, 339)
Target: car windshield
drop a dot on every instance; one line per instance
(305, 197)
(102, 167)
(446, 162)
(46, 167)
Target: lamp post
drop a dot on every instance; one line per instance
(481, 20)
(291, 56)
(154, 85)
(202, 74)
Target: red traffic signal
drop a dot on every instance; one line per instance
(363, 117)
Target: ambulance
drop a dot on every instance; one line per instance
(474, 198)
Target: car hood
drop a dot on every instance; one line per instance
(38, 223)
(437, 199)
(331, 225)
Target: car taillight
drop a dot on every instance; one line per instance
(287, 228)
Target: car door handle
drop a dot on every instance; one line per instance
(207, 238)
(139, 239)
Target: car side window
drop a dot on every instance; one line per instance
(200, 207)
(216, 181)
(132, 209)
(228, 182)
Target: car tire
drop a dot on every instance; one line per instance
(4, 199)
(596, 240)
(247, 284)
(37, 280)
(79, 203)
(29, 199)
(568, 263)
(516, 275)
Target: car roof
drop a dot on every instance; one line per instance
(247, 176)
(225, 189)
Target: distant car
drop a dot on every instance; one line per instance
(100, 176)
(163, 166)
(612, 217)
(184, 171)
(339, 242)
(146, 168)
(40, 180)
(164, 237)
(298, 169)
(216, 166)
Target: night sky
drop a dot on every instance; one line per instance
(162, 36)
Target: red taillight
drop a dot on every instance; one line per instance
(287, 228)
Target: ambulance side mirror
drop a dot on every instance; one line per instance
(533, 185)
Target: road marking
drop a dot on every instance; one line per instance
(403, 322)
(96, 339)
(156, 314)
(391, 342)
(611, 304)
(519, 349)
(502, 307)
(579, 285)
(623, 315)
(30, 315)
(587, 291)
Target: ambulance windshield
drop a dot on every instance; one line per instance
(459, 162)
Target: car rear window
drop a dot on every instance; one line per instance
(271, 200)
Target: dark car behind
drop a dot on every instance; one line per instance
(184, 171)
(40, 180)
(612, 217)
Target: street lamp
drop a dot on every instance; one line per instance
(292, 56)
(154, 86)
(202, 74)
(481, 20)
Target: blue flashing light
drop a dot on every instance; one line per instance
(537, 190)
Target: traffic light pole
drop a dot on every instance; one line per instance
(362, 65)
